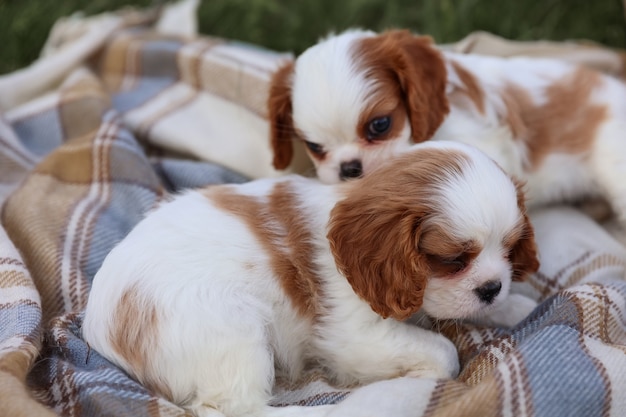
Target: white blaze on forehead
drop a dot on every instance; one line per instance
(482, 202)
(329, 90)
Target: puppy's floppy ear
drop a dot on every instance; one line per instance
(422, 75)
(280, 116)
(523, 255)
(374, 239)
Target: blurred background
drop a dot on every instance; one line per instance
(290, 25)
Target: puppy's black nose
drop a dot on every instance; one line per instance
(488, 291)
(350, 169)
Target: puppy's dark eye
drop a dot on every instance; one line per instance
(316, 148)
(378, 127)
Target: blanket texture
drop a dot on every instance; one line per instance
(147, 113)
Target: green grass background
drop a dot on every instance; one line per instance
(292, 25)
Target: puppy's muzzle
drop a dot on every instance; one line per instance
(350, 169)
(488, 291)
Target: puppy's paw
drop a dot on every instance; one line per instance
(435, 371)
(442, 362)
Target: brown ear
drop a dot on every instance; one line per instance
(523, 255)
(421, 71)
(280, 116)
(373, 239)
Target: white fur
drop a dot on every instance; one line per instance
(561, 176)
(472, 198)
(222, 326)
(329, 119)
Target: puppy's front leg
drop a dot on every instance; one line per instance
(386, 348)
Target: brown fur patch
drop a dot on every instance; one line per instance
(418, 72)
(521, 243)
(471, 87)
(135, 336)
(567, 121)
(279, 228)
(390, 271)
(515, 99)
(280, 116)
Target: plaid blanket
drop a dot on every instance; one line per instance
(151, 113)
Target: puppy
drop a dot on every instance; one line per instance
(356, 98)
(216, 288)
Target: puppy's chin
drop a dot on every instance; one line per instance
(508, 313)
(446, 299)
(470, 310)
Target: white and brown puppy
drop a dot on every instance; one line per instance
(216, 287)
(358, 97)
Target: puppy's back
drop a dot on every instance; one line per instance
(178, 286)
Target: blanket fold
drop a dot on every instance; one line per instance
(152, 113)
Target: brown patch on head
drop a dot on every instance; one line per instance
(520, 243)
(279, 227)
(376, 232)
(416, 73)
(280, 116)
(566, 122)
(135, 336)
(471, 87)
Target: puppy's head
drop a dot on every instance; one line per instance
(355, 98)
(440, 227)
